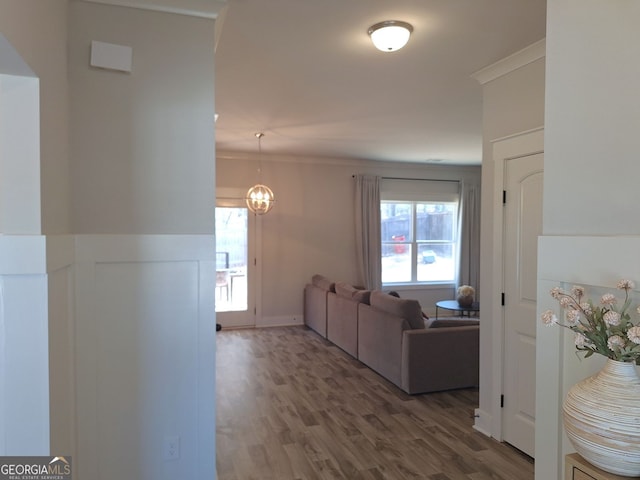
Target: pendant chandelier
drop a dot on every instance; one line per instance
(260, 198)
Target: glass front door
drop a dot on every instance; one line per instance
(234, 267)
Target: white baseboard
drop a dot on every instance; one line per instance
(280, 321)
(483, 422)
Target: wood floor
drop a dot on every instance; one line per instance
(291, 405)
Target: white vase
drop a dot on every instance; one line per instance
(602, 418)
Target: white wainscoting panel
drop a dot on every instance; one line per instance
(61, 321)
(564, 261)
(145, 343)
(24, 350)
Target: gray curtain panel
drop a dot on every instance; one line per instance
(469, 228)
(368, 235)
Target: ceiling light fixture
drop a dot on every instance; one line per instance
(260, 198)
(390, 35)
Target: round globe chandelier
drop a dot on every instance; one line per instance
(260, 198)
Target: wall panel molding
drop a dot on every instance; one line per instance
(145, 342)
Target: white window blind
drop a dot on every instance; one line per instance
(393, 189)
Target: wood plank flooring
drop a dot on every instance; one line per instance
(291, 405)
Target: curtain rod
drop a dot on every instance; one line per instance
(423, 179)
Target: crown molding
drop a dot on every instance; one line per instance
(514, 61)
(194, 8)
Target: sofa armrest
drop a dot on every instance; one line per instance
(380, 341)
(437, 359)
(315, 308)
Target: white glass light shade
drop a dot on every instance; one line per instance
(390, 35)
(260, 199)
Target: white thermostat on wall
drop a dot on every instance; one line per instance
(111, 56)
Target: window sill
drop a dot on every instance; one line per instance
(419, 286)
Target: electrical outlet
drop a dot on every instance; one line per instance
(171, 447)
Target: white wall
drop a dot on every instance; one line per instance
(591, 144)
(26, 405)
(592, 118)
(143, 183)
(60, 254)
(19, 150)
(142, 142)
(143, 151)
(24, 349)
(311, 227)
(38, 31)
(513, 102)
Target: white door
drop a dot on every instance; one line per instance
(235, 265)
(522, 226)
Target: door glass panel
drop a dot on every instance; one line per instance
(231, 259)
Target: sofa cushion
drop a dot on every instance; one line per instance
(323, 283)
(400, 307)
(344, 290)
(356, 294)
(451, 322)
(362, 296)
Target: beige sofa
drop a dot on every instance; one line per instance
(315, 303)
(391, 337)
(394, 341)
(342, 316)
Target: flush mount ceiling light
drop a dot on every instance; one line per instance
(260, 198)
(390, 35)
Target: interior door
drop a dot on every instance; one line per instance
(235, 265)
(522, 226)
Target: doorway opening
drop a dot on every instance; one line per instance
(235, 266)
(231, 259)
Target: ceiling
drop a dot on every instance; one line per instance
(306, 74)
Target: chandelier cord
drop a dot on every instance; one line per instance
(259, 135)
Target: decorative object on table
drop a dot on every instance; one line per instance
(466, 295)
(601, 412)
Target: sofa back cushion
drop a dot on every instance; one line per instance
(451, 322)
(323, 283)
(406, 308)
(345, 290)
(362, 296)
(354, 293)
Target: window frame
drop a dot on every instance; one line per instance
(413, 194)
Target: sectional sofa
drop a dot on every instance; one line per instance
(391, 336)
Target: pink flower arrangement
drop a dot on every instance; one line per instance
(604, 328)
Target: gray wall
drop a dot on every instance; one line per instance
(38, 31)
(142, 143)
(593, 113)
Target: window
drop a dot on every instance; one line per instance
(419, 232)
